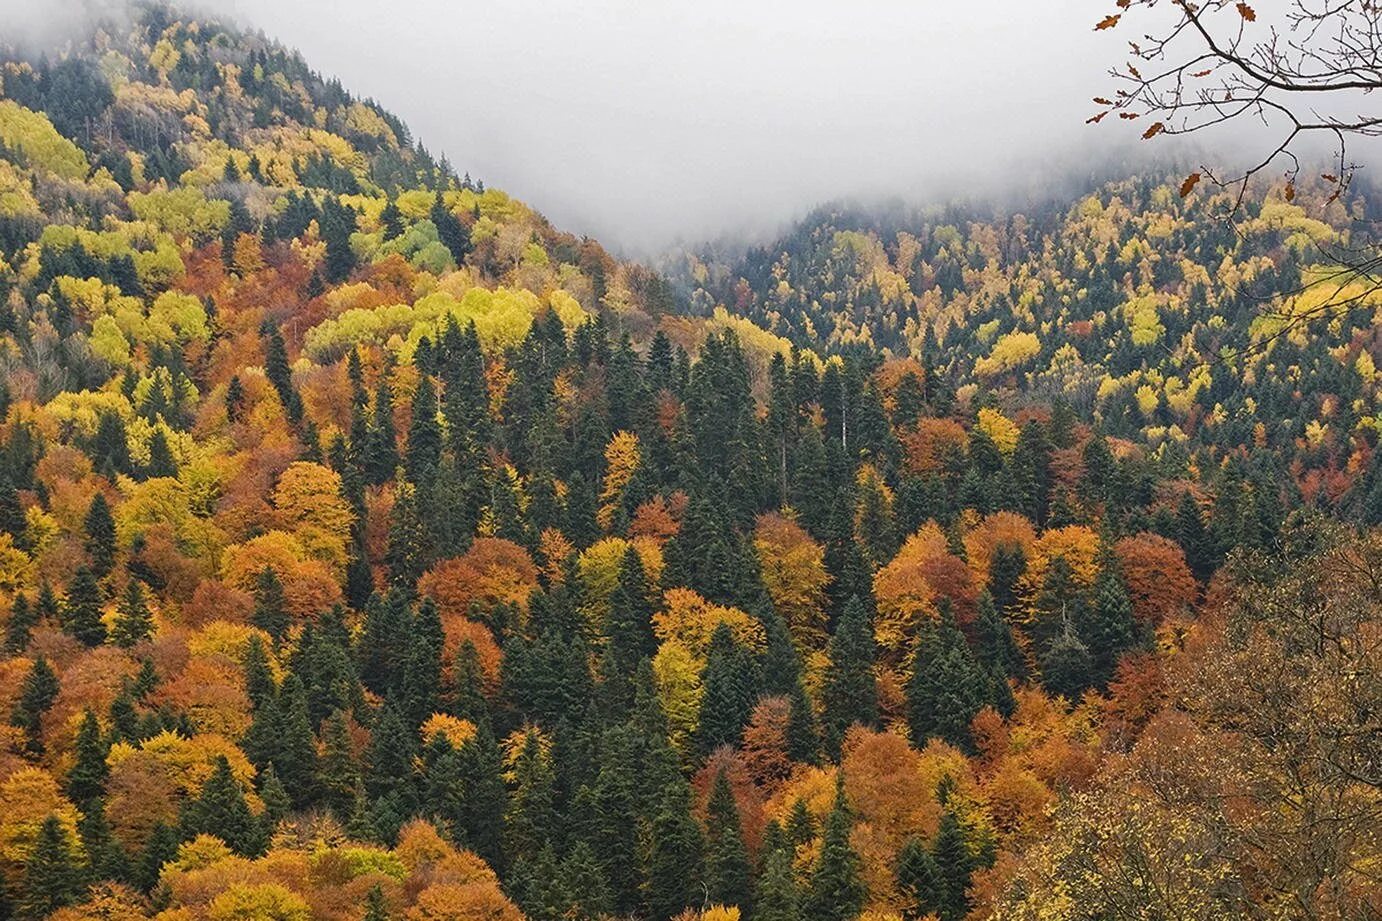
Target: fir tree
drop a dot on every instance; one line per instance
(777, 898)
(1067, 667)
(453, 234)
(421, 690)
(727, 859)
(836, 892)
(338, 773)
(52, 877)
(270, 604)
(161, 848)
(81, 614)
(23, 619)
(953, 864)
(530, 821)
(36, 698)
(672, 880)
(1107, 626)
(918, 880)
(221, 810)
(87, 777)
(850, 694)
(99, 541)
(133, 622)
(947, 687)
(424, 433)
(729, 691)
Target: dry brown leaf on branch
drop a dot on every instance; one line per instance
(1247, 12)
(1188, 185)
(1153, 130)
(1108, 22)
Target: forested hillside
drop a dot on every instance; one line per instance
(371, 549)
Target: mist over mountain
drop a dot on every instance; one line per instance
(972, 529)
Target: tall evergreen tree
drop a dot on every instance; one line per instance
(81, 613)
(270, 604)
(99, 541)
(51, 876)
(836, 892)
(947, 687)
(727, 859)
(849, 694)
(729, 691)
(19, 627)
(133, 622)
(918, 880)
(221, 810)
(87, 777)
(36, 698)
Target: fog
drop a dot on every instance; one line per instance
(643, 122)
(649, 122)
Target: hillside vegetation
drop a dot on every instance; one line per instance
(372, 549)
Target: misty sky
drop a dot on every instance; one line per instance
(644, 121)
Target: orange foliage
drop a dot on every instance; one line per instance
(997, 530)
(491, 573)
(931, 442)
(1158, 580)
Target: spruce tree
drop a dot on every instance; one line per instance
(630, 631)
(87, 777)
(729, 691)
(777, 898)
(133, 622)
(1067, 667)
(530, 821)
(99, 541)
(161, 848)
(81, 613)
(836, 892)
(338, 774)
(52, 876)
(36, 698)
(727, 859)
(295, 754)
(850, 694)
(270, 604)
(220, 810)
(453, 234)
(424, 433)
(997, 646)
(481, 813)
(584, 883)
(421, 690)
(947, 687)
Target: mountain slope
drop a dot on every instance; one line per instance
(370, 548)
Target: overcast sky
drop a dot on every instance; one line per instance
(644, 121)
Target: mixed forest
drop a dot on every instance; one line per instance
(372, 549)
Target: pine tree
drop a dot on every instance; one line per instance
(105, 858)
(23, 619)
(836, 892)
(381, 446)
(850, 694)
(99, 542)
(1107, 626)
(630, 630)
(727, 859)
(997, 647)
(52, 877)
(295, 752)
(953, 866)
(161, 461)
(729, 691)
(36, 698)
(947, 687)
(270, 604)
(918, 880)
(453, 234)
(221, 810)
(584, 884)
(87, 777)
(81, 614)
(481, 813)
(133, 622)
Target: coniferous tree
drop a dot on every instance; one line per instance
(270, 604)
(954, 867)
(777, 897)
(99, 541)
(1107, 626)
(87, 777)
(729, 691)
(421, 685)
(81, 613)
(23, 619)
(295, 752)
(672, 879)
(530, 821)
(1067, 667)
(997, 646)
(52, 875)
(453, 234)
(221, 810)
(947, 687)
(727, 859)
(782, 676)
(36, 698)
(376, 908)
(630, 631)
(424, 433)
(338, 773)
(918, 880)
(849, 694)
(133, 622)
(836, 893)
(481, 812)
(161, 848)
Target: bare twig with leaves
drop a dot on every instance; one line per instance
(1307, 70)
